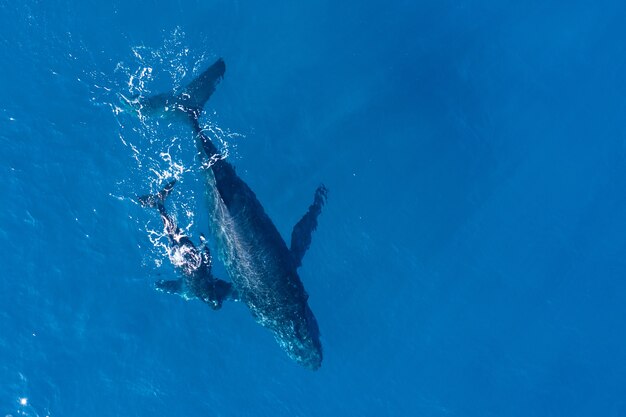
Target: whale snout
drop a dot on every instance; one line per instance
(314, 360)
(307, 353)
(304, 345)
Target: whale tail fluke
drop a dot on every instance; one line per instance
(152, 200)
(190, 100)
(197, 93)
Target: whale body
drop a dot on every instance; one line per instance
(263, 270)
(194, 264)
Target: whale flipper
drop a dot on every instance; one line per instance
(303, 230)
(171, 287)
(262, 270)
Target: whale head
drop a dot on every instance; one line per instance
(301, 340)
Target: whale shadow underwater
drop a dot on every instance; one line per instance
(263, 271)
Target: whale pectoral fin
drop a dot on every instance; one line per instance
(171, 287)
(221, 291)
(303, 230)
(226, 291)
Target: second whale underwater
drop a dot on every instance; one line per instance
(262, 269)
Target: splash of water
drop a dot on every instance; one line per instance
(159, 152)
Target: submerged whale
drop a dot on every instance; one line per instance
(263, 270)
(195, 265)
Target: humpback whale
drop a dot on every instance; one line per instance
(262, 269)
(195, 265)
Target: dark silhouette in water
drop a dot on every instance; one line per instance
(195, 265)
(260, 265)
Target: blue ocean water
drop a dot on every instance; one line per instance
(469, 262)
